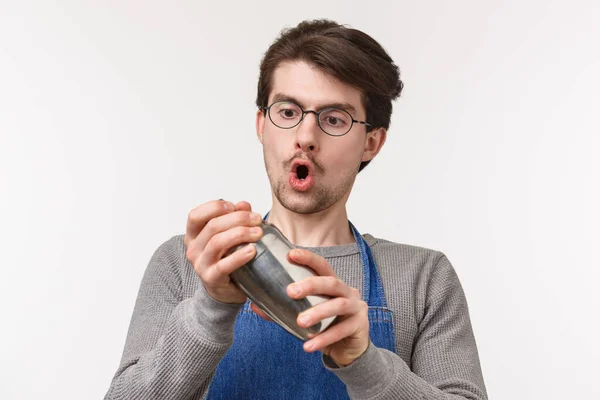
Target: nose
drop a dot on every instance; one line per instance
(308, 133)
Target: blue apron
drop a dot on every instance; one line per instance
(267, 362)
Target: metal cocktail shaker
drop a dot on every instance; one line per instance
(266, 277)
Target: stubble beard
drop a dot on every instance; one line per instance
(316, 199)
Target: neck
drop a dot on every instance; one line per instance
(326, 228)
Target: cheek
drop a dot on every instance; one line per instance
(274, 145)
(345, 154)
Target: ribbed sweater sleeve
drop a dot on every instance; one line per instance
(445, 362)
(173, 346)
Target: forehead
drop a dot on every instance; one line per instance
(312, 88)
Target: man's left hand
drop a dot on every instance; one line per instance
(348, 338)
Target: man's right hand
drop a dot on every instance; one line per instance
(212, 229)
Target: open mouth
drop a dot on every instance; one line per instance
(301, 176)
(302, 172)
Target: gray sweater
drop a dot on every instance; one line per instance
(178, 333)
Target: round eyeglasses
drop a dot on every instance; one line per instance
(332, 121)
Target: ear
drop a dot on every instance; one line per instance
(373, 143)
(260, 124)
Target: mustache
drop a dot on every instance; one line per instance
(299, 156)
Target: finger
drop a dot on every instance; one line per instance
(320, 285)
(224, 223)
(260, 312)
(311, 260)
(243, 206)
(330, 308)
(221, 243)
(199, 216)
(335, 333)
(220, 271)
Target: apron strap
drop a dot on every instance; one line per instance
(372, 286)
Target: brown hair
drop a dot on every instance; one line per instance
(351, 56)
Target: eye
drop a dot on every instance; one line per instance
(335, 118)
(334, 121)
(285, 110)
(288, 113)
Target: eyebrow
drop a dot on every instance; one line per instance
(344, 106)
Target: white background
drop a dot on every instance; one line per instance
(116, 118)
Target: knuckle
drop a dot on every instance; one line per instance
(191, 215)
(207, 278)
(210, 226)
(196, 213)
(239, 233)
(364, 307)
(346, 303)
(336, 282)
(189, 254)
(211, 275)
(213, 245)
(210, 242)
(310, 283)
(329, 280)
(304, 288)
(217, 269)
(201, 273)
(200, 270)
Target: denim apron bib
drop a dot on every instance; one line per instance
(267, 362)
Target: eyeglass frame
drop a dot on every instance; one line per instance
(267, 111)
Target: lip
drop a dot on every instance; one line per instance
(306, 163)
(301, 185)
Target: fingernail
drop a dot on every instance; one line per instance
(229, 206)
(309, 346)
(248, 249)
(304, 320)
(294, 289)
(256, 230)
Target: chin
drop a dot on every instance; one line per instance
(311, 202)
(319, 197)
(302, 207)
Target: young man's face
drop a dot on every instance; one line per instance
(331, 162)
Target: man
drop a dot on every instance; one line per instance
(324, 102)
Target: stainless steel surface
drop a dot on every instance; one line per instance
(265, 280)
